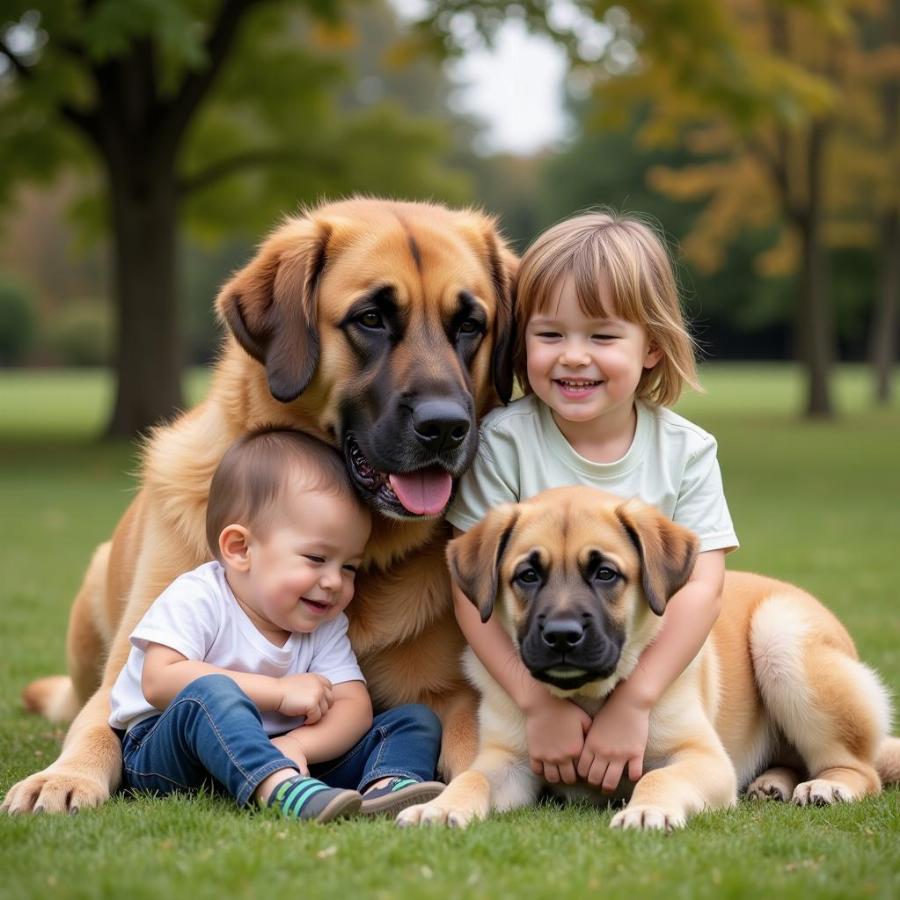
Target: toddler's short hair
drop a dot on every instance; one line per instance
(629, 259)
(256, 469)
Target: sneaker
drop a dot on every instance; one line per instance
(397, 794)
(306, 798)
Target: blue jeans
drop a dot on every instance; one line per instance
(212, 734)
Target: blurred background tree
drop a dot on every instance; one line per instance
(752, 100)
(208, 111)
(761, 135)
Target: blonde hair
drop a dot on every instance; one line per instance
(629, 259)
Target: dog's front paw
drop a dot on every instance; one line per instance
(648, 818)
(769, 788)
(436, 813)
(821, 792)
(54, 791)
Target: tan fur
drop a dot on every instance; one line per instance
(776, 702)
(402, 624)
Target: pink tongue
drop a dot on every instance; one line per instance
(424, 493)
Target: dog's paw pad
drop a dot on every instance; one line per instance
(424, 814)
(647, 818)
(410, 816)
(820, 792)
(764, 789)
(458, 819)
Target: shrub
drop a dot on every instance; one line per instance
(17, 322)
(81, 334)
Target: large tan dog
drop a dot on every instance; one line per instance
(381, 327)
(776, 701)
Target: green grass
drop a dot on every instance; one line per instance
(816, 503)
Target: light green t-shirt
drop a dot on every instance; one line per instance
(671, 464)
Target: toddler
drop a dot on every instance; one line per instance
(241, 675)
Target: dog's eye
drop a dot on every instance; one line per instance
(528, 576)
(469, 326)
(371, 319)
(604, 573)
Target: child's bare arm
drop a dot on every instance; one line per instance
(554, 727)
(618, 737)
(349, 718)
(687, 622)
(166, 672)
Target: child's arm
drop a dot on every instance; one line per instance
(349, 718)
(618, 737)
(166, 672)
(554, 727)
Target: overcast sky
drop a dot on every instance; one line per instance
(516, 88)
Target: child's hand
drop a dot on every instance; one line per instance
(617, 740)
(555, 729)
(289, 745)
(307, 695)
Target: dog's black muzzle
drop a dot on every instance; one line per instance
(570, 652)
(404, 463)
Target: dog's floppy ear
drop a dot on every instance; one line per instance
(481, 232)
(504, 266)
(474, 557)
(270, 305)
(667, 551)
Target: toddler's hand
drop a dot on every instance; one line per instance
(307, 695)
(616, 741)
(555, 731)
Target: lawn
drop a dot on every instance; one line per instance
(816, 503)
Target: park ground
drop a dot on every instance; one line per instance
(816, 503)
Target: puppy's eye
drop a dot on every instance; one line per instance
(528, 576)
(371, 318)
(469, 326)
(605, 573)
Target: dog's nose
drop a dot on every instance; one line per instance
(440, 424)
(562, 634)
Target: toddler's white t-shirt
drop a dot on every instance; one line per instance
(198, 616)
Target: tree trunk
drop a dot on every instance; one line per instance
(816, 325)
(149, 353)
(883, 336)
(816, 338)
(139, 129)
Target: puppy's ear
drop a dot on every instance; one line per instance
(474, 557)
(270, 305)
(666, 550)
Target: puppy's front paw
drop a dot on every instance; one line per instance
(769, 788)
(435, 813)
(648, 818)
(820, 792)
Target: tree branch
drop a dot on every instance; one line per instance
(17, 63)
(180, 110)
(87, 124)
(249, 160)
(84, 122)
(777, 168)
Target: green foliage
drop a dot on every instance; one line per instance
(81, 334)
(17, 322)
(282, 125)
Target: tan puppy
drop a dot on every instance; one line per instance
(381, 327)
(776, 702)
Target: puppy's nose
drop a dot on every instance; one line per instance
(440, 424)
(562, 634)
